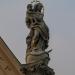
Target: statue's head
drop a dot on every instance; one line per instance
(38, 7)
(29, 7)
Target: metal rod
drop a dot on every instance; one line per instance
(35, 1)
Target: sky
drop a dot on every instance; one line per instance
(60, 18)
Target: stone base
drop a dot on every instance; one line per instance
(37, 70)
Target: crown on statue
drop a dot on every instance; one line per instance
(36, 2)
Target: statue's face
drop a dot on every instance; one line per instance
(40, 6)
(29, 7)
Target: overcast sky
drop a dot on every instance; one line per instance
(60, 18)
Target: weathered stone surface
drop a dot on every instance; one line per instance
(9, 65)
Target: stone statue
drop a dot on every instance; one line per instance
(37, 40)
(37, 57)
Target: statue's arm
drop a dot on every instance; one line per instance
(35, 38)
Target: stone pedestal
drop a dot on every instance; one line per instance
(28, 69)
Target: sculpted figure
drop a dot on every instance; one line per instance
(37, 40)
